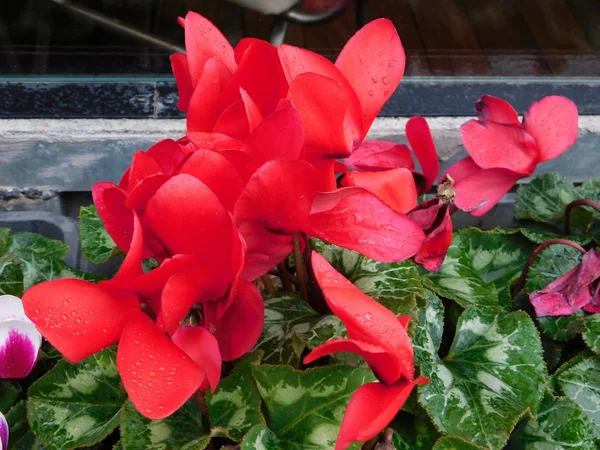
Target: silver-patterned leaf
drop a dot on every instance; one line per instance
(306, 408)
(581, 383)
(260, 438)
(235, 405)
(454, 443)
(180, 431)
(591, 332)
(493, 373)
(77, 405)
(544, 198)
(96, 243)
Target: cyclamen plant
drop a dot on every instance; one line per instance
(282, 286)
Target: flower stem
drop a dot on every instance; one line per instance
(315, 295)
(574, 204)
(284, 275)
(300, 270)
(266, 279)
(523, 278)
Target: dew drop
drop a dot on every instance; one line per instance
(371, 93)
(301, 67)
(64, 317)
(37, 311)
(138, 364)
(104, 330)
(374, 78)
(391, 64)
(65, 302)
(152, 374)
(73, 313)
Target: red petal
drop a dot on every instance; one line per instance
(132, 264)
(252, 112)
(212, 141)
(279, 196)
(404, 321)
(366, 320)
(433, 252)
(462, 169)
(264, 249)
(356, 219)
(188, 218)
(325, 171)
(204, 41)
(184, 290)
(496, 110)
(322, 104)
(241, 326)
(203, 110)
(217, 173)
(279, 136)
(168, 154)
(77, 317)
(373, 156)
(203, 349)
(158, 376)
(553, 123)
(242, 162)
(498, 146)
(233, 122)
(371, 408)
(395, 187)
(421, 141)
(478, 193)
(179, 65)
(142, 166)
(373, 62)
(138, 197)
(116, 217)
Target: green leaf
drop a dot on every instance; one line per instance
(180, 431)
(260, 438)
(454, 443)
(76, 405)
(413, 433)
(306, 408)
(4, 234)
(245, 363)
(591, 332)
(493, 373)
(581, 384)
(562, 328)
(286, 317)
(478, 269)
(118, 446)
(553, 386)
(38, 244)
(10, 392)
(96, 243)
(235, 406)
(538, 235)
(559, 425)
(11, 276)
(551, 263)
(395, 285)
(21, 436)
(544, 198)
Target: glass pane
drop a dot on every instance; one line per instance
(482, 38)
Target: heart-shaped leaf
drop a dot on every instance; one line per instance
(77, 405)
(544, 198)
(260, 437)
(96, 243)
(21, 436)
(493, 373)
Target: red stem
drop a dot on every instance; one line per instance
(523, 278)
(574, 204)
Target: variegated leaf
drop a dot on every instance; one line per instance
(413, 432)
(77, 405)
(21, 436)
(306, 408)
(286, 317)
(544, 198)
(235, 406)
(493, 373)
(10, 391)
(260, 438)
(454, 443)
(559, 425)
(96, 243)
(581, 383)
(478, 269)
(591, 332)
(181, 431)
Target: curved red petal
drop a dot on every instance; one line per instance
(553, 123)
(77, 317)
(371, 408)
(373, 62)
(498, 146)
(496, 110)
(179, 65)
(481, 191)
(204, 41)
(279, 196)
(279, 136)
(462, 169)
(233, 122)
(203, 109)
(138, 196)
(374, 156)
(184, 290)
(396, 187)
(421, 141)
(157, 375)
(132, 264)
(116, 216)
(240, 327)
(168, 154)
(322, 104)
(356, 219)
(188, 218)
(252, 112)
(203, 348)
(242, 162)
(142, 166)
(432, 253)
(214, 170)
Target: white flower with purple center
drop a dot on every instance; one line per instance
(20, 341)
(3, 433)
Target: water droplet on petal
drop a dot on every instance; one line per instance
(371, 93)
(374, 78)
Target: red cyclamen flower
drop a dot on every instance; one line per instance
(502, 150)
(577, 289)
(381, 339)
